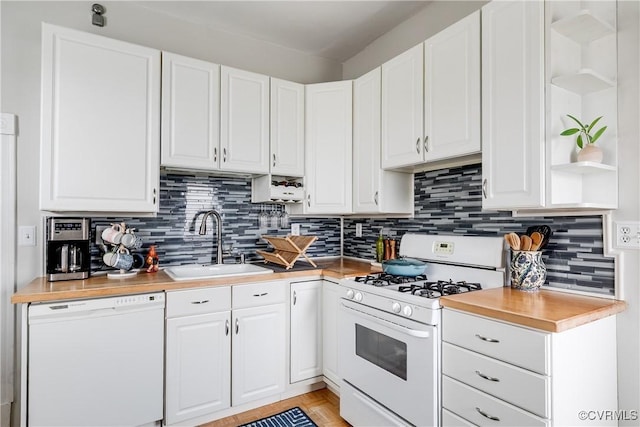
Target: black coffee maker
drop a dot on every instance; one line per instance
(67, 253)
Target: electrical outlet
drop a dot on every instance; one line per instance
(27, 235)
(295, 229)
(627, 235)
(358, 230)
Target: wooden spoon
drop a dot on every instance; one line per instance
(525, 243)
(536, 239)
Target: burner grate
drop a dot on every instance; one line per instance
(440, 288)
(385, 279)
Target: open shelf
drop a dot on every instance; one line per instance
(583, 82)
(583, 27)
(584, 168)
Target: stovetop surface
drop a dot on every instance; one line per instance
(419, 286)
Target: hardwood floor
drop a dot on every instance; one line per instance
(322, 406)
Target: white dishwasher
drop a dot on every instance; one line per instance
(96, 362)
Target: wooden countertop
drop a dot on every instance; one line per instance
(550, 311)
(40, 290)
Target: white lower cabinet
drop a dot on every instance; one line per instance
(259, 341)
(306, 330)
(500, 374)
(198, 353)
(331, 292)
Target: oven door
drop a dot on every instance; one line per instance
(391, 359)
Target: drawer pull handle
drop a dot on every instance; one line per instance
(486, 377)
(204, 301)
(418, 146)
(492, 418)
(226, 327)
(261, 295)
(295, 297)
(487, 339)
(237, 326)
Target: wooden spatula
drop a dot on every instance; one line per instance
(513, 240)
(536, 240)
(525, 243)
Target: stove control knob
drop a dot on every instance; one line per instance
(408, 311)
(395, 307)
(350, 294)
(358, 297)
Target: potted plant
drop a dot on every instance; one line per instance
(586, 139)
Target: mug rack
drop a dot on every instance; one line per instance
(121, 248)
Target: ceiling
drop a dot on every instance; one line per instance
(331, 29)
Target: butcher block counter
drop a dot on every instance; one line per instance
(550, 311)
(40, 290)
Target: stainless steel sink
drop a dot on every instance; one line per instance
(214, 271)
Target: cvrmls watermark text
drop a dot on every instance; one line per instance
(606, 415)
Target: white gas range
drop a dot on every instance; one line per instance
(390, 336)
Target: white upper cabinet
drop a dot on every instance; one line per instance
(512, 104)
(452, 91)
(374, 190)
(100, 141)
(244, 121)
(402, 109)
(328, 154)
(287, 128)
(190, 113)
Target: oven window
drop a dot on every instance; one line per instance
(383, 351)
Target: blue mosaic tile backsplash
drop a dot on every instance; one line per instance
(449, 201)
(183, 201)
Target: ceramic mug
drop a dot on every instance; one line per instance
(131, 241)
(118, 260)
(528, 272)
(112, 234)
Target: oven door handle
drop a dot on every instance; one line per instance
(403, 329)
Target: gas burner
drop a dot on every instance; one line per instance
(439, 288)
(385, 279)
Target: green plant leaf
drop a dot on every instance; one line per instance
(597, 134)
(578, 122)
(593, 123)
(579, 141)
(570, 131)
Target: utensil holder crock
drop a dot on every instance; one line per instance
(528, 271)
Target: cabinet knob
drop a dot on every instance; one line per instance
(274, 160)
(309, 200)
(480, 337)
(487, 377)
(226, 327)
(375, 198)
(154, 196)
(418, 145)
(215, 154)
(224, 155)
(484, 414)
(295, 298)
(237, 326)
(484, 188)
(426, 143)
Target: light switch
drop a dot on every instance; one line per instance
(27, 235)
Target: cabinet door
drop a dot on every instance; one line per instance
(402, 109)
(258, 362)
(512, 104)
(306, 330)
(328, 147)
(452, 90)
(366, 142)
(190, 112)
(374, 190)
(244, 121)
(198, 366)
(287, 128)
(100, 114)
(330, 303)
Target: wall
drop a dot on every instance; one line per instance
(435, 17)
(183, 200)
(449, 201)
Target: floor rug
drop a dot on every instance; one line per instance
(293, 417)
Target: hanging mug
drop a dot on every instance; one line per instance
(112, 234)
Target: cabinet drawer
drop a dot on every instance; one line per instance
(449, 419)
(198, 301)
(522, 347)
(484, 410)
(520, 387)
(257, 294)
